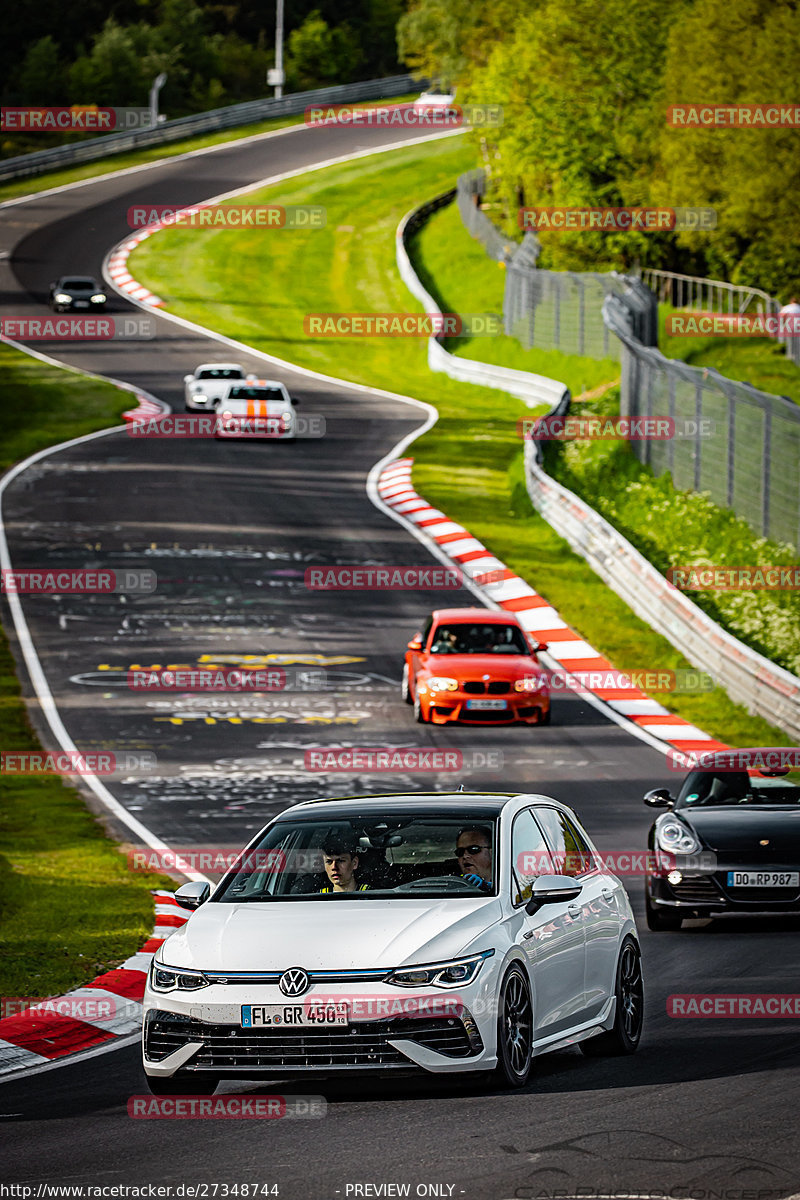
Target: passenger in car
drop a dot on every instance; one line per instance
(341, 864)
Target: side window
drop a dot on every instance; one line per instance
(426, 631)
(530, 857)
(570, 852)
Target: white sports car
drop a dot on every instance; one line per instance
(257, 408)
(206, 387)
(441, 933)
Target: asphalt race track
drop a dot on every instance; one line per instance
(707, 1107)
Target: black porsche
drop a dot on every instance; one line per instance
(746, 827)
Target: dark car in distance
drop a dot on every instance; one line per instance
(77, 293)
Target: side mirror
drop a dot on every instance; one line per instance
(293, 400)
(540, 647)
(192, 895)
(659, 798)
(415, 643)
(188, 378)
(552, 889)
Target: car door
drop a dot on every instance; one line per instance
(600, 915)
(551, 939)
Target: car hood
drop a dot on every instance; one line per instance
(328, 935)
(474, 666)
(742, 828)
(255, 408)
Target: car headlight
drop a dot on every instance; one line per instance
(674, 837)
(443, 974)
(531, 683)
(442, 683)
(287, 417)
(62, 298)
(169, 979)
(99, 298)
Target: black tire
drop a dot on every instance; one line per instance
(418, 714)
(405, 690)
(514, 1030)
(182, 1085)
(544, 717)
(629, 1018)
(661, 920)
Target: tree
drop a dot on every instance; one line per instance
(42, 76)
(319, 56)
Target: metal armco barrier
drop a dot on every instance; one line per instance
(533, 389)
(92, 149)
(747, 677)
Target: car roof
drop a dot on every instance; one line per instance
(218, 366)
(468, 616)
(80, 279)
(448, 803)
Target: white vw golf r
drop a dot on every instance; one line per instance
(420, 932)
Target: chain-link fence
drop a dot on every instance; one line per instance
(553, 310)
(740, 445)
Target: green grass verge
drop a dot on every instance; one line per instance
(757, 361)
(470, 463)
(136, 158)
(457, 281)
(70, 907)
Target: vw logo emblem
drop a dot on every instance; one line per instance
(294, 982)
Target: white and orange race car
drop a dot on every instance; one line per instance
(258, 408)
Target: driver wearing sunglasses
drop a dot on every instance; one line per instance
(474, 854)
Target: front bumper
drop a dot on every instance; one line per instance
(268, 429)
(706, 895)
(201, 1033)
(529, 708)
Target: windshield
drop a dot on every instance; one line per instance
(80, 285)
(478, 639)
(256, 393)
(709, 789)
(395, 857)
(220, 373)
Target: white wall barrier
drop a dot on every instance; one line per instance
(532, 389)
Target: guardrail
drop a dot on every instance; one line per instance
(748, 677)
(24, 165)
(532, 389)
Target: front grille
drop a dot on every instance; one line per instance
(701, 888)
(443, 710)
(499, 715)
(474, 686)
(360, 1045)
(768, 896)
(498, 687)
